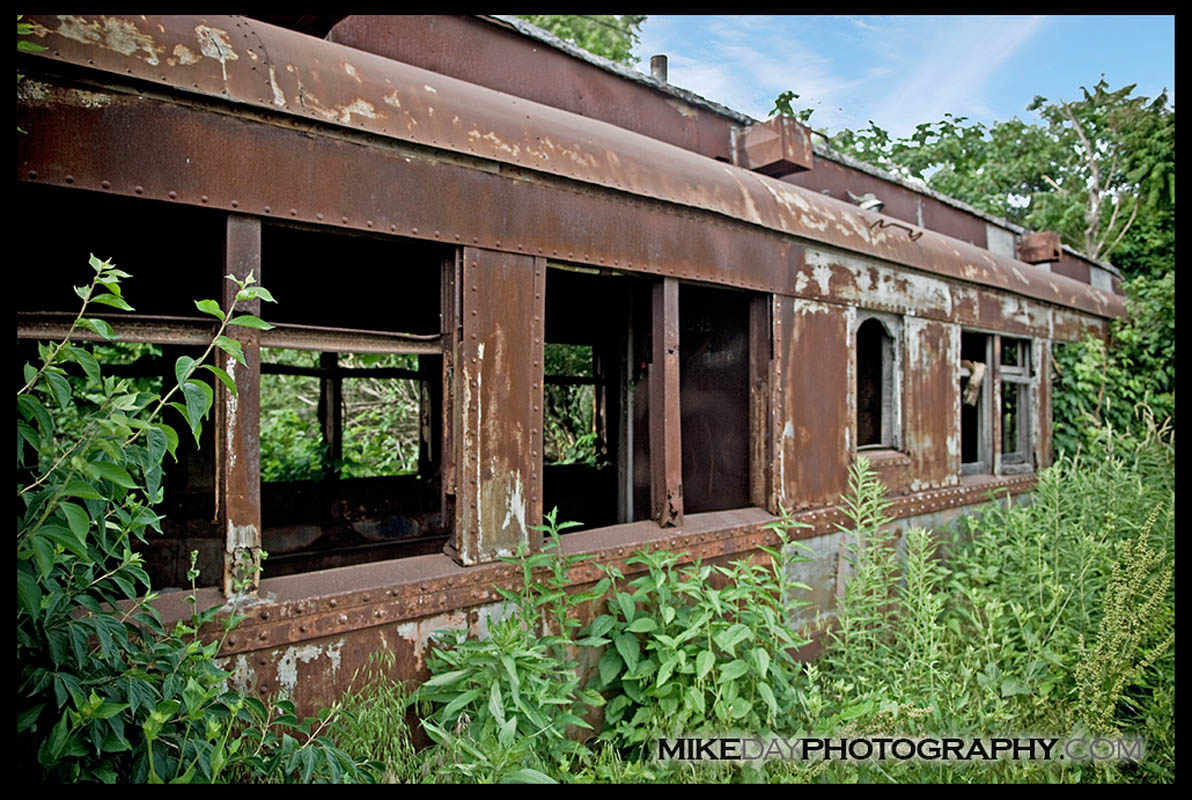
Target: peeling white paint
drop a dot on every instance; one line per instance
(110, 33)
(515, 508)
(242, 678)
(419, 632)
(392, 99)
(214, 43)
(351, 70)
(359, 107)
(430, 89)
(279, 97)
(185, 56)
(287, 665)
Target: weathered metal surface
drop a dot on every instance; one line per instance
(838, 180)
(261, 66)
(1039, 248)
(1067, 326)
(498, 404)
(777, 147)
(814, 429)
(761, 393)
(994, 379)
(397, 604)
(870, 284)
(162, 330)
(932, 418)
(238, 422)
(1041, 411)
(1070, 267)
(893, 468)
(501, 59)
(666, 458)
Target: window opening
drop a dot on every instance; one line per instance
(596, 467)
(878, 387)
(975, 377)
(1015, 375)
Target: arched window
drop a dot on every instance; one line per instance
(878, 388)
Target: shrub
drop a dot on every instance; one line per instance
(104, 692)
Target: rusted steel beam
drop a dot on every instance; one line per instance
(333, 602)
(1041, 414)
(342, 340)
(666, 458)
(237, 423)
(508, 62)
(121, 155)
(451, 334)
(995, 386)
(258, 66)
(931, 414)
(814, 444)
(761, 393)
(498, 405)
(129, 328)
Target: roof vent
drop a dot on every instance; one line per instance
(658, 67)
(867, 201)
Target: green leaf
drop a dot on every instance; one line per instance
(183, 367)
(98, 326)
(768, 695)
(77, 488)
(527, 775)
(115, 474)
(703, 663)
(254, 293)
(112, 300)
(61, 388)
(610, 666)
(224, 377)
(210, 307)
(629, 649)
(249, 321)
(733, 670)
(643, 624)
(231, 347)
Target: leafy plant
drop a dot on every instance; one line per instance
(104, 692)
(683, 655)
(502, 705)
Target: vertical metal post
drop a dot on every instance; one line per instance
(994, 376)
(760, 399)
(449, 326)
(331, 411)
(666, 461)
(237, 423)
(498, 405)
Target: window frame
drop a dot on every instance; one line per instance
(892, 436)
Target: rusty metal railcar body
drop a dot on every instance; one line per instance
(394, 209)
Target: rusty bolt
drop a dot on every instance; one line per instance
(231, 641)
(264, 615)
(104, 184)
(302, 628)
(268, 209)
(261, 661)
(139, 189)
(319, 215)
(343, 619)
(69, 179)
(333, 602)
(203, 198)
(263, 635)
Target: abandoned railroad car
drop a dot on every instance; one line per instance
(452, 207)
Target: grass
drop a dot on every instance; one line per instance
(1054, 618)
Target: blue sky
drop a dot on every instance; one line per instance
(902, 70)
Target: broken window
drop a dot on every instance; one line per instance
(350, 404)
(976, 438)
(879, 388)
(714, 398)
(596, 457)
(1014, 373)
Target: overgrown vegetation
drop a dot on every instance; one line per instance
(104, 691)
(1054, 617)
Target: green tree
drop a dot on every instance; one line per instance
(1095, 169)
(609, 35)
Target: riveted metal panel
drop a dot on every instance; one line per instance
(666, 459)
(498, 404)
(238, 423)
(932, 412)
(263, 67)
(814, 429)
